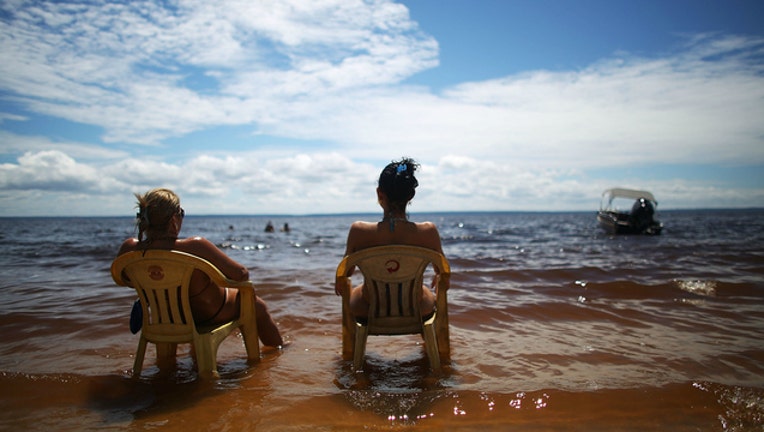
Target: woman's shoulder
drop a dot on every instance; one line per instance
(427, 226)
(128, 245)
(428, 235)
(195, 239)
(132, 241)
(194, 244)
(363, 226)
(360, 223)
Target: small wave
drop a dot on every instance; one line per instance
(699, 287)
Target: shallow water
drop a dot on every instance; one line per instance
(554, 326)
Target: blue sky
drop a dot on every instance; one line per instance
(294, 107)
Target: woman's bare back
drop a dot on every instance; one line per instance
(364, 235)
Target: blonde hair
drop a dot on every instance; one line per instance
(155, 210)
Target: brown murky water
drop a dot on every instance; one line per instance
(554, 326)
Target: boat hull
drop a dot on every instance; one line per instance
(619, 223)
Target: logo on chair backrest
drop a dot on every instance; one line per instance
(392, 266)
(156, 273)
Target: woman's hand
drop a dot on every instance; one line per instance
(436, 282)
(340, 285)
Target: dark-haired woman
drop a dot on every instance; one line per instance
(160, 217)
(396, 188)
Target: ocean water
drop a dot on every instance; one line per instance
(554, 326)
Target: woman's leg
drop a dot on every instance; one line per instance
(266, 327)
(428, 301)
(359, 307)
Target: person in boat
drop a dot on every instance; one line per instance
(159, 220)
(641, 215)
(395, 190)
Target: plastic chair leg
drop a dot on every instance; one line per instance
(251, 342)
(139, 355)
(431, 344)
(206, 363)
(166, 354)
(359, 350)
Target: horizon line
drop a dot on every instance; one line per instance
(440, 212)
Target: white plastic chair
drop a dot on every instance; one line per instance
(394, 277)
(161, 278)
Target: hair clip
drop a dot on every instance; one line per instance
(401, 168)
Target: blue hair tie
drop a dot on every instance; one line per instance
(401, 168)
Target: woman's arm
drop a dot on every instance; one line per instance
(434, 243)
(204, 248)
(355, 232)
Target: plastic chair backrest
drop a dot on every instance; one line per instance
(162, 280)
(394, 280)
(394, 275)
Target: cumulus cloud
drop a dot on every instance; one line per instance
(296, 184)
(51, 171)
(11, 143)
(260, 183)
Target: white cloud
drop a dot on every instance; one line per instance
(8, 116)
(124, 66)
(11, 144)
(321, 182)
(681, 109)
(331, 70)
(52, 171)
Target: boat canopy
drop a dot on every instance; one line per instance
(628, 193)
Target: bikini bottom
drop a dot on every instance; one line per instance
(210, 320)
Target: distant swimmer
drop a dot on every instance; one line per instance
(286, 228)
(269, 227)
